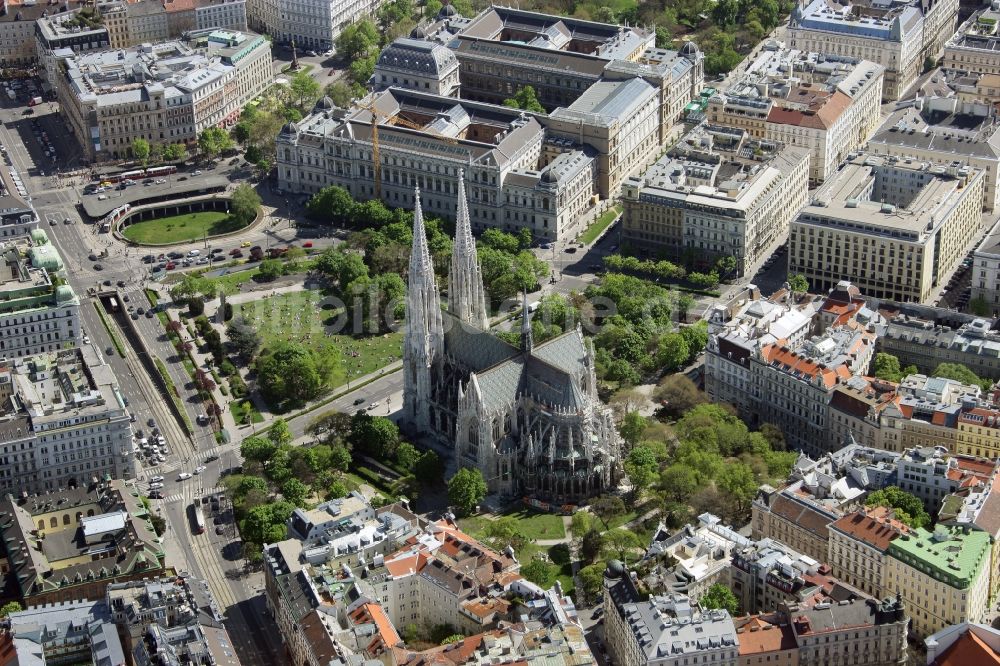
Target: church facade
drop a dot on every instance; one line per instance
(527, 417)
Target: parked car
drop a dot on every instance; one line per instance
(183, 476)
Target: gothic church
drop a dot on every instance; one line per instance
(529, 418)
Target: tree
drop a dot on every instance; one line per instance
(288, 371)
(140, 150)
(737, 481)
(526, 99)
(429, 468)
(407, 456)
(719, 596)
(798, 284)
(10, 607)
(679, 481)
(632, 427)
(677, 394)
(357, 40)
(726, 12)
(340, 458)
(466, 489)
(908, 508)
(280, 434)
(257, 448)
(620, 542)
(961, 373)
(174, 152)
(642, 468)
(540, 573)
(524, 238)
(500, 240)
(591, 544)
(886, 366)
(340, 94)
(294, 491)
(505, 531)
(270, 269)
(304, 90)
(673, 351)
(214, 140)
(362, 69)
(244, 204)
(607, 507)
(592, 580)
(375, 435)
(244, 338)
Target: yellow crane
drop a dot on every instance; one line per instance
(396, 120)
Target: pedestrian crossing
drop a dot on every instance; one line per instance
(189, 496)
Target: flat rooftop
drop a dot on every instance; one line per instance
(981, 32)
(872, 19)
(886, 196)
(965, 135)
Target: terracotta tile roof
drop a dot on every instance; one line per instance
(801, 514)
(968, 650)
(179, 5)
(988, 519)
(385, 636)
(760, 634)
(874, 527)
(822, 113)
(980, 467)
(987, 418)
(792, 362)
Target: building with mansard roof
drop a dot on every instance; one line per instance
(527, 417)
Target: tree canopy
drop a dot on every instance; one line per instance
(908, 508)
(526, 99)
(719, 596)
(466, 489)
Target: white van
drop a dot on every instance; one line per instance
(194, 253)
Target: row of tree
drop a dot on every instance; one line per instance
(887, 367)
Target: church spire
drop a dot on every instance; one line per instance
(466, 296)
(526, 339)
(423, 343)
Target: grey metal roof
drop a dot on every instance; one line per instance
(417, 56)
(475, 349)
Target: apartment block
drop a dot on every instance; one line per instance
(37, 314)
(665, 629)
(974, 48)
(985, 272)
(516, 176)
(898, 230)
(64, 423)
(826, 103)
(859, 545)
(926, 341)
(167, 92)
(718, 193)
(18, 47)
(942, 575)
(699, 555)
(943, 129)
(133, 23)
(899, 35)
(176, 616)
(68, 632)
(65, 35)
(70, 544)
(309, 24)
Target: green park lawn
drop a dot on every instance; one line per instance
(306, 317)
(240, 409)
(533, 525)
(599, 225)
(180, 228)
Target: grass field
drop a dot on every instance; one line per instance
(308, 317)
(240, 410)
(533, 524)
(599, 225)
(180, 228)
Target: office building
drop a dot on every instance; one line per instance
(828, 104)
(310, 24)
(72, 543)
(859, 545)
(37, 313)
(942, 575)
(167, 92)
(946, 131)
(717, 194)
(515, 177)
(68, 632)
(974, 48)
(899, 35)
(63, 422)
(898, 230)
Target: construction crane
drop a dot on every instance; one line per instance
(396, 120)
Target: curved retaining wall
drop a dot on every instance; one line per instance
(158, 210)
